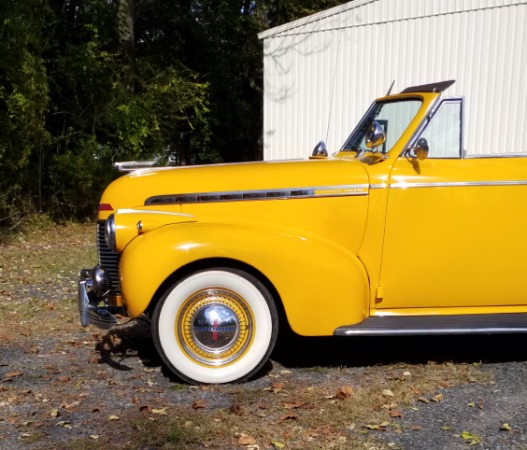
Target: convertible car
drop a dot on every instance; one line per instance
(398, 233)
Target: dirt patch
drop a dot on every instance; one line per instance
(66, 387)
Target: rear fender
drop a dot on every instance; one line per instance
(321, 284)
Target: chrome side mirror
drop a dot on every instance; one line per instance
(320, 150)
(420, 151)
(375, 136)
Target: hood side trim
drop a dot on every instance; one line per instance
(261, 194)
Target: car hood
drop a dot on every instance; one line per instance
(212, 183)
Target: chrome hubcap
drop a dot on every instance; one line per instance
(215, 326)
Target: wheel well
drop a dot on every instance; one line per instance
(196, 266)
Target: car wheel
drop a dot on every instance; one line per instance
(215, 326)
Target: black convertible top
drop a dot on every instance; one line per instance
(432, 87)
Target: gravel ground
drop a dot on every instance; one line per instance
(478, 416)
(65, 387)
(53, 390)
(489, 417)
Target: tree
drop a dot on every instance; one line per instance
(23, 101)
(84, 83)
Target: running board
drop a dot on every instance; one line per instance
(433, 325)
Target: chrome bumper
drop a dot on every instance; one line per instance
(92, 299)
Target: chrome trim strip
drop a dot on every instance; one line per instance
(149, 211)
(261, 194)
(495, 155)
(436, 325)
(378, 186)
(404, 185)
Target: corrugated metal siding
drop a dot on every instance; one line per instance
(321, 73)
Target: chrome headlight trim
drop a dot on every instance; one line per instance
(109, 233)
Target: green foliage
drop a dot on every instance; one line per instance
(278, 12)
(23, 100)
(85, 83)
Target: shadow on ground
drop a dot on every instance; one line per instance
(293, 351)
(130, 340)
(296, 351)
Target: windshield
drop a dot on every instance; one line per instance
(393, 116)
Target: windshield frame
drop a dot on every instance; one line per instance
(357, 135)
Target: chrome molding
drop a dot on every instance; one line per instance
(263, 194)
(149, 211)
(437, 325)
(404, 185)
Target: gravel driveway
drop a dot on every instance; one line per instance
(44, 388)
(65, 387)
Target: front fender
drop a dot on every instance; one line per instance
(321, 284)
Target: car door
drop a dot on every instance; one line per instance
(455, 233)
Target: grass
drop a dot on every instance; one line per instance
(297, 408)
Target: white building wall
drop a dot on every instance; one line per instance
(322, 72)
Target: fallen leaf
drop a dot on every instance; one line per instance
(71, 405)
(377, 427)
(505, 427)
(277, 387)
(245, 439)
(471, 439)
(415, 428)
(160, 411)
(288, 416)
(396, 414)
(113, 417)
(423, 400)
(8, 376)
(236, 409)
(438, 398)
(294, 405)
(390, 406)
(199, 403)
(278, 445)
(54, 413)
(344, 392)
(322, 430)
(387, 393)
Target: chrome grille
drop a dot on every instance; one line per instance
(108, 260)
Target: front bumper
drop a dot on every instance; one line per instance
(92, 299)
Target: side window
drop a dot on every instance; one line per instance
(443, 132)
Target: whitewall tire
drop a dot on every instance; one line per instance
(215, 326)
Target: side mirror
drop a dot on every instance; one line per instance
(320, 151)
(420, 151)
(375, 136)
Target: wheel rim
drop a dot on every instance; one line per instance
(215, 327)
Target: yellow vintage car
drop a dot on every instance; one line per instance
(398, 233)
